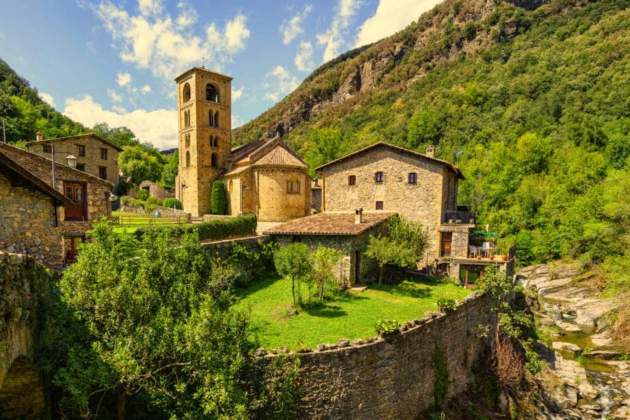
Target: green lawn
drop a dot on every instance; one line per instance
(132, 221)
(351, 317)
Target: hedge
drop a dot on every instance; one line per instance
(223, 228)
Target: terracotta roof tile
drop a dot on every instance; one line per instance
(333, 224)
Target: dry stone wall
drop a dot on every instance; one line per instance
(394, 378)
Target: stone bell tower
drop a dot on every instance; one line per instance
(204, 110)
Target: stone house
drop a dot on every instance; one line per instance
(346, 232)
(419, 187)
(93, 154)
(28, 215)
(87, 196)
(156, 190)
(264, 177)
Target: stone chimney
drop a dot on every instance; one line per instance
(358, 216)
(72, 161)
(39, 136)
(430, 151)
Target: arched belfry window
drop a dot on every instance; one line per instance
(214, 141)
(187, 140)
(187, 118)
(213, 160)
(187, 159)
(212, 93)
(211, 118)
(186, 93)
(216, 119)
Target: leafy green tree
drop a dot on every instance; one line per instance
(325, 144)
(424, 127)
(169, 171)
(218, 198)
(323, 260)
(293, 262)
(159, 338)
(120, 136)
(140, 164)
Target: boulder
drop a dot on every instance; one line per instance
(566, 347)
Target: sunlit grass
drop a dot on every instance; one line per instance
(351, 315)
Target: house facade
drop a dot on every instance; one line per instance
(87, 197)
(29, 215)
(387, 178)
(264, 178)
(94, 155)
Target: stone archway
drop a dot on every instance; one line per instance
(21, 392)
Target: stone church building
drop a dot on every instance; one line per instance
(265, 178)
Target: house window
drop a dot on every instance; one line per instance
(81, 150)
(102, 172)
(213, 160)
(446, 241)
(81, 166)
(412, 178)
(216, 119)
(47, 148)
(293, 187)
(352, 180)
(379, 205)
(211, 118)
(76, 207)
(103, 154)
(379, 177)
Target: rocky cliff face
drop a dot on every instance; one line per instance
(586, 377)
(452, 30)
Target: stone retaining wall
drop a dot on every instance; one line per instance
(395, 378)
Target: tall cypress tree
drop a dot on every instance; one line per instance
(218, 198)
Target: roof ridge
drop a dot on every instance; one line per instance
(90, 133)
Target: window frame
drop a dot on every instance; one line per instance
(102, 170)
(412, 178)
(81, 152)
(81, 167)
(104, 153)
(293, 186)
(379, 205)
(379, 177)
(352, 180)
(47, 148)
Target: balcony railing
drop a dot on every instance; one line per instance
(459, 216)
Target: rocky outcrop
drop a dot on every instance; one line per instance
(581, 381)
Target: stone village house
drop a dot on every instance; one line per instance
(265, 178)
(87, 198)
(94, 154)
(385, 179)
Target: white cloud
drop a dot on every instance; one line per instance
(167, 46)
(158, 127)
(304, 57)
(279, 83)
(293, 27)
(145, 89)
(237, 93)
(123, 79)
(114, 96)
(48, 98)
(390, 17)
(333, 38)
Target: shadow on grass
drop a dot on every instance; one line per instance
(324, 310)
(255, 286)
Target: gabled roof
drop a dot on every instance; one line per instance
(78, 136)
(15, 170)
(330, 224)
(202, 69)
(40, 165)
(398, 149)
(264, 153)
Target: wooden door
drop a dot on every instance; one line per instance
(445, 244)
(76, 209)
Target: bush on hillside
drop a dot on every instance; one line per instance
(172, 203)
(142, 194)
(218, 198)
(154, 201)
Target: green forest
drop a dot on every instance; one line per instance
(532, 105)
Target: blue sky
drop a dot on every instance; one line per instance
(114, 61)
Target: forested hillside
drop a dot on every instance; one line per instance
(24, 113)
(532, 102)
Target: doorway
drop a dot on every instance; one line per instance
(446, 241)
(76, 208)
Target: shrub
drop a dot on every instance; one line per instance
(142, 194)
(215, 229)
(446, 305)
(154, 201)
(387, 327)
(293, 262)
(218, 199)
(172, 203)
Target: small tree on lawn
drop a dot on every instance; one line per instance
(402, 246)
(218, 198)
(323, 260)
(293, 262)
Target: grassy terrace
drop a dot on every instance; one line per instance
(130, 222)
(351, 316)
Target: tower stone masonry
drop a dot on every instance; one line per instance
(204, 109)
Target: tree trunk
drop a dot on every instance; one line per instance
(121, 402)
(381, 268)
(293, 292)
